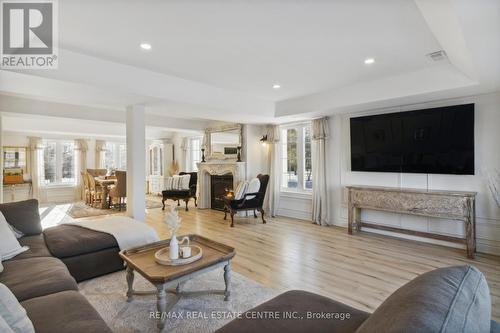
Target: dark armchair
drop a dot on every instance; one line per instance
(185, 195)
(250, 201)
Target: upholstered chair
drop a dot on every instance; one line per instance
(119, 191)
(186, 194)
(250, 201)
(96, 191)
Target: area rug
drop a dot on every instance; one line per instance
(194, 314)
(80, 209)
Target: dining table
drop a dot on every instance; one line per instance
(105, 183)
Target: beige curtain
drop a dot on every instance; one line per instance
(273, 192)
(81, 148)
(36, 165)
(100, 147)
(320, 202)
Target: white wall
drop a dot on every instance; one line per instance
(253, 152)
(179, 155)
(487, 156)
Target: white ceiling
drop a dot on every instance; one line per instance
(306, 46)
(219, 59)
(71, 128)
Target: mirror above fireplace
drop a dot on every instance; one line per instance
(223, 142)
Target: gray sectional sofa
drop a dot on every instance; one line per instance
(44, 278)
(446, 300)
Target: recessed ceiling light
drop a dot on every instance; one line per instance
(369, 61)
(145, 46)
(276, 86)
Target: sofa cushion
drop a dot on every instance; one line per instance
(36, 245)
(177, 193)
(302, 303)
(446, 300)
(71, 240)
(90, 265)
(64, 312)
(9, 245)
(13, 313)
(23, 215)
(33, 277)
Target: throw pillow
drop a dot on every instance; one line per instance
(175, 182)
(253, 187)
(240, 190)
(4, 327)
(9, 246)
(184, 182)
(23, 215)
(168, 183)
(16, 232)
(13, 313)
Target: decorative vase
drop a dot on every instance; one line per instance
(174, 248)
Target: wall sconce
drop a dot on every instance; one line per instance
(263, 140)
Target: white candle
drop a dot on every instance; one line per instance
(186, 251)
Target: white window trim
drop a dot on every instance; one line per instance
(59, 183)
(116, 155)
(300, 191)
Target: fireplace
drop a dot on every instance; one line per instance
(218, 186)
(217, 168)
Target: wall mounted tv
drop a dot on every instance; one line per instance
(438, 140)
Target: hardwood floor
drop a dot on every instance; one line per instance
(361, 270)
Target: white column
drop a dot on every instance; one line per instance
(136, 168)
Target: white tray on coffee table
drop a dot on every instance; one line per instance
(162, 256)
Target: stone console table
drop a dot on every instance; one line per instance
(453, 205)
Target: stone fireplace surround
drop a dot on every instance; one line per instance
(217, 167)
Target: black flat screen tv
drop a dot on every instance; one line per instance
(438, 140)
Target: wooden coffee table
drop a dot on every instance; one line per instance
(141, 259)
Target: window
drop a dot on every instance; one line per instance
(296, 158)
(194, 153)
(59, 165)
(114, 156)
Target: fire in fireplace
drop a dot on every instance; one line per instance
(218, 187)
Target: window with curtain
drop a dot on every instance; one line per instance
(296, 158)
(194, 153)
(59, 164)
(114, 156)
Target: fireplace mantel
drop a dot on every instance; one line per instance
(217, 167)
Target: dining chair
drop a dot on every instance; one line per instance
(97, 172)
(86, 188)
(96, 191)
(119, 190)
